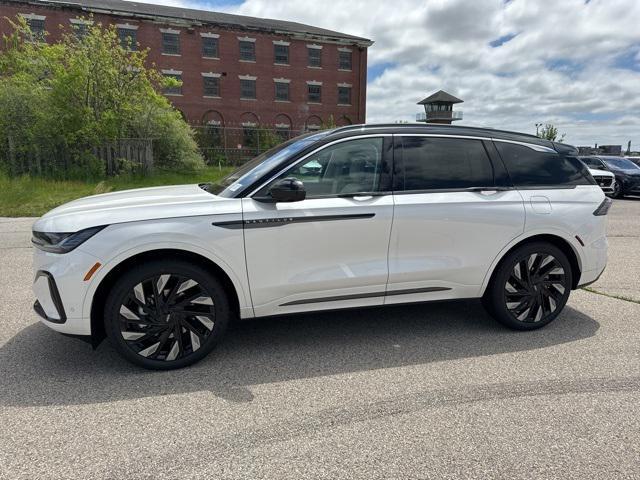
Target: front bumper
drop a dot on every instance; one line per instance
(48, 303)
(60, 290)
(605, 182)
(631, 186)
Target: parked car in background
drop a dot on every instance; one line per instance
(627, 173)
(605, 179)
(635, 160)
(365, 215)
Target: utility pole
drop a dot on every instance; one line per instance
(538, 125)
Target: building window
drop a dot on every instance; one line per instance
(128, 38)
(170, 43)
(314, 93)
(36, 25)
(210, 47)
(315, 57)
(211, 86)
(281, 54)
(174, 90)
(282, 91)
(248, 89)
(344, 60)
(80, 28)
(344, 95)
(247, 51)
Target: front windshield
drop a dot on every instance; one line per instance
(262, 164)
(593, 162)
(621, 163)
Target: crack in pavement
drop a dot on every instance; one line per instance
(331, 418)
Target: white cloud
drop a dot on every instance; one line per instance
(571, 62)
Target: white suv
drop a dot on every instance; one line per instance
(605, 179)
(352, 217)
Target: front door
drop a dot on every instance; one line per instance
(454, 213)
(329, 250)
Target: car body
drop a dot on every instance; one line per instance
(627, 173)
(356, 216)
(635, 160)
(605, 179)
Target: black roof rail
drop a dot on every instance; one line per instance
(364, 126)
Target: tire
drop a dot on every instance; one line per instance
(530, 286)
(617, 190)
(163, 315)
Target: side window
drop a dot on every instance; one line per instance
(529, 168)
(444, 163)
(348, 167)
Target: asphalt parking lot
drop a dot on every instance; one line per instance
(427, 391)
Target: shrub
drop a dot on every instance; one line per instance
(60, 102)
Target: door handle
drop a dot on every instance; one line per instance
(362, 198)
(488, 190)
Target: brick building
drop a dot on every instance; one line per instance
(236, 71)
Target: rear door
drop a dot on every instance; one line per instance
(454, 212)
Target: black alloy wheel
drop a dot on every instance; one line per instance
(166, 314)
(535, 287)
(531, 286)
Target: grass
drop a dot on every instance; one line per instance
(31, 197)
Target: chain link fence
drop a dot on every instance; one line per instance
(219, 146)
(233, 146)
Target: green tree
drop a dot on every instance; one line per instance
(79, 94)
(329, 124)
(549, 132)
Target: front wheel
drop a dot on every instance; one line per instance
(530, 286)
(166, 314)
(617, 190)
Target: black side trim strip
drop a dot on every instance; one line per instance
(231, 224)
(356, 296)
(281, 221)
(410, 291)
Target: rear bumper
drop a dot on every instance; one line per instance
(590, 282)
(596, 254)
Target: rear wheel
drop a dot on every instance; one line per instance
(530, 286)
(166, 314)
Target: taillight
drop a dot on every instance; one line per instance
(604, 207)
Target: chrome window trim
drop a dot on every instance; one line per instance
(532, 146)
(340, 140)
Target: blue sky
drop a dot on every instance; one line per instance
(514, 63)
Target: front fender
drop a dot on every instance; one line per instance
(197, 235)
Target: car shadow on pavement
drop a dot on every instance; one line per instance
(41, 367)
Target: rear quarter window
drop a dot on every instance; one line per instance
(530, 168)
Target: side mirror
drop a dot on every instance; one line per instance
(288, 190)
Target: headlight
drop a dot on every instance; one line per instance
(63, 242)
